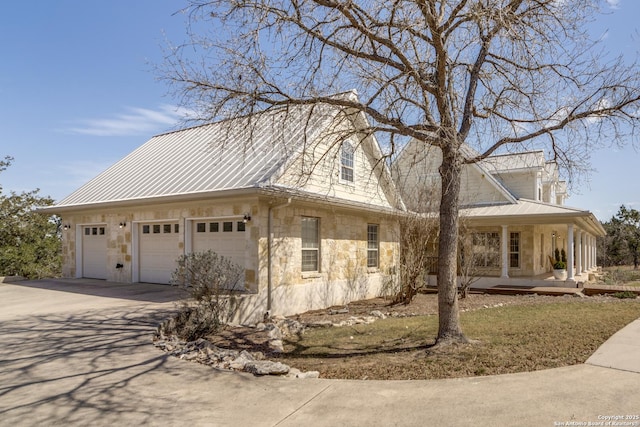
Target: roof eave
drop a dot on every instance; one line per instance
(154, 200)
(590, 221)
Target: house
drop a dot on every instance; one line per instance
(298, 197)
(513, 208)
(303, 200)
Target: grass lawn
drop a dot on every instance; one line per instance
(512, 339)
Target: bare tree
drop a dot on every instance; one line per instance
(486, 74)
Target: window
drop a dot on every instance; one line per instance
(240, 226)
(201, 227)
(346, 162)
(372, 245)
(227, 226)
(214, 227)
(486, 249)
(514, 250)
(310, 244)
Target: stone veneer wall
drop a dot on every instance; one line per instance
(343, 276)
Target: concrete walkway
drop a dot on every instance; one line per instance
(79, 353)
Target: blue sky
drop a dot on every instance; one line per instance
(77, 93)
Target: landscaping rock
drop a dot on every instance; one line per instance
(274, 332)
(320, 324)
(290, 327)
(277, 346)
(241, 361)
(378, 314)
(204, 352)
(266, 367)
(339, 311)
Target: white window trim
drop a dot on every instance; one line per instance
(510, 252)
(377, 248)
(311, 273)
(353, 163)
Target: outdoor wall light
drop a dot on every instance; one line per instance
(247, 218)
(123, 224)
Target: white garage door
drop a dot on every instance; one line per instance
(226, 238)
(94, 252)
(158, 251)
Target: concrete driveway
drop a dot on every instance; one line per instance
(79, 353)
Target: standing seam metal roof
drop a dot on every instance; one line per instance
(233, 154)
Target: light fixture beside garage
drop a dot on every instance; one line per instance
(123, 224)
(247, 218)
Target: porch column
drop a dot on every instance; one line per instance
(587, 266)
(570, 252)
(585, 238)
(579, 240)
(505, 253)
(587, 253)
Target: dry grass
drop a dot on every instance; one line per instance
(621, 275)
(513, 338)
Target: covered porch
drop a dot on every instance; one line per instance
(512, 245)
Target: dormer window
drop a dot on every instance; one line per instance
(346, 162)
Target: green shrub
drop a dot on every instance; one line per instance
(625, 294)
(208, 280)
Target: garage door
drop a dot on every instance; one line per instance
(158, 251)
(94, 252)
(226, 238)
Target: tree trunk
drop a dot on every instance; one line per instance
(449, 330)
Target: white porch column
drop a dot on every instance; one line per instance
(579, 239)
(505, 253)
(570, 252)
(585, 238)
(589, 252)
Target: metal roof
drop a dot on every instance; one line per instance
(514, 161)
(234, 154)
(525, 211)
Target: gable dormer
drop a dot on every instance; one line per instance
(521, 173)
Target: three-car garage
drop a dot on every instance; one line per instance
(156, 245)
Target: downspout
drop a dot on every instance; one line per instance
(269, 244)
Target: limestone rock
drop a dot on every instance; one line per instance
(241, 361)
(277, 346)
(266, 367)
(378, 314)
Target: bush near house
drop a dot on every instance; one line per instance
(207, 279)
